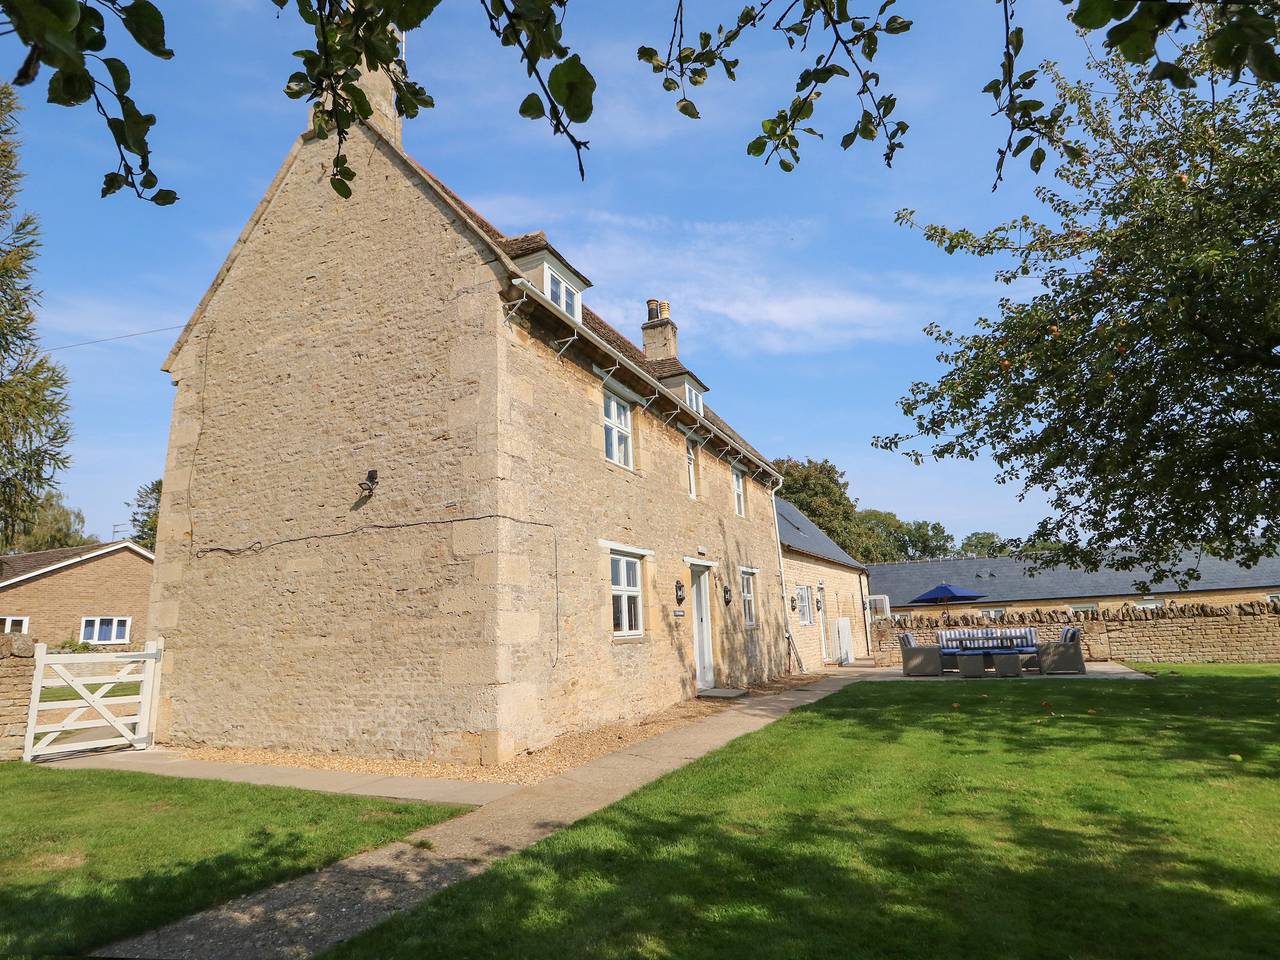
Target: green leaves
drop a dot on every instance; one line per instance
(688, 109)
(573, 87)
(531, 107)
(145, 24)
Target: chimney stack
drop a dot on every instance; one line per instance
(660, 333)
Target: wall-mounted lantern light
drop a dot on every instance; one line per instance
(794, 604)
(369, 483)
(818, 604)
(679, 593)
(728, 595)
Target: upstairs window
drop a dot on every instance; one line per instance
(739, 493)
(691, 462)
(104, 629)
(617, 430)
(561, 293)
(693, 398)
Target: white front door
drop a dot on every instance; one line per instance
(820, 611)
(705, 675)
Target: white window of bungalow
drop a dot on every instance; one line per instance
(105, 630)
(617, 430)
(14, 624)
(992, 613)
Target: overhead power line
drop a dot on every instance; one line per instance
(123, 336)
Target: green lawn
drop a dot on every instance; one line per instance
(1090, 820)
(57, 694)
(89, 856)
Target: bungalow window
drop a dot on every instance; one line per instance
(1148, 603)
(1273, 598)
(105, 629)
(691, 463)
(749, 598)
(804, 605)
(1083, 608)
(992, 613)
(739, 493)
(693, 398)
(617, 430)
(628, 595)
(561, 293)
(14, 624)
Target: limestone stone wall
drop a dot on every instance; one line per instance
(116, 584)
(16, 664)
(568, 671)
(346, 336)
(844, 595)
(1184, 632)
(1220, 598)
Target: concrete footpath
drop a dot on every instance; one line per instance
(168, 763)
(302, 917)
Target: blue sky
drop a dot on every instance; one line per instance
(798, 299)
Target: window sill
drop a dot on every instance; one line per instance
(631, 638)
(107, 643)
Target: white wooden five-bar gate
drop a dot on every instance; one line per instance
(127, 720)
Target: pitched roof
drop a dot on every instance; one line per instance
(22, 566)
(1001, 579)
(797, 532)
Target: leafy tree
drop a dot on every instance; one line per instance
(33, 402)
(1140, 386)
(821, 492)
(925, 540)
(984, 543)
(53, 525)
(835, 41)
(146, 514)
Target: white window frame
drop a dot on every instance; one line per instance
(7, 622)
(693, 399)
(616, 427)
(991, 613)
(114, 641)
(1083, 608)
(748, 579)
(1149, 603)
(804, 605)
(624, 562)
(691, 463)
(739, 492)
(569, 297)
(1273, 597)
(878, 606)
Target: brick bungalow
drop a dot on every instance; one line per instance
(420, 500)
(824, 587)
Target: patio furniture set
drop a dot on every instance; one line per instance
(1004, 651)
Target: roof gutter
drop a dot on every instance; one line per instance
(524, 286)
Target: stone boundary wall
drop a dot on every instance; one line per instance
(17, 660)
(1184, 632)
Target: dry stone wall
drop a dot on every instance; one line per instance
(1185, 632)
(16, 664)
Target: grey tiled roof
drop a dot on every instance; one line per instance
(1002, 579)
(798, 532)
(20, 564)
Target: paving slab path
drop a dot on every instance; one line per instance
(304, 916)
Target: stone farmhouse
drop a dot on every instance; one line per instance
(827, 593)
(1007, 588)
(420, 500)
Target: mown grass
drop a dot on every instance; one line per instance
(90, 856)
(57, 694)
(1084, 819)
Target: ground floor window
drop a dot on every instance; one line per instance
(14, 624)
(628, 595)
(804, 605)
(1084, 608)
(992, 613)
(749, 598)
(1148, 603)
(105, 629)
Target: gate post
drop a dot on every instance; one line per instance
(145, 731)
(33, 705)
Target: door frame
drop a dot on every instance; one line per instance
(703, 645)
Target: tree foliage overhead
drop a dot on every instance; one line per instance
(52, 525)
(834, 42)
(146, 514)
(34, 428)
(1140, 387)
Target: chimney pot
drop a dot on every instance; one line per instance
(653, 310)
(664, 310)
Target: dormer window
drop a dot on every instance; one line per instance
(561, 293)
(693, 398)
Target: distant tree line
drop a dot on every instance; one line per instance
(819, 489)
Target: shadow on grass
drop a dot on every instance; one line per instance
(719, 860)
